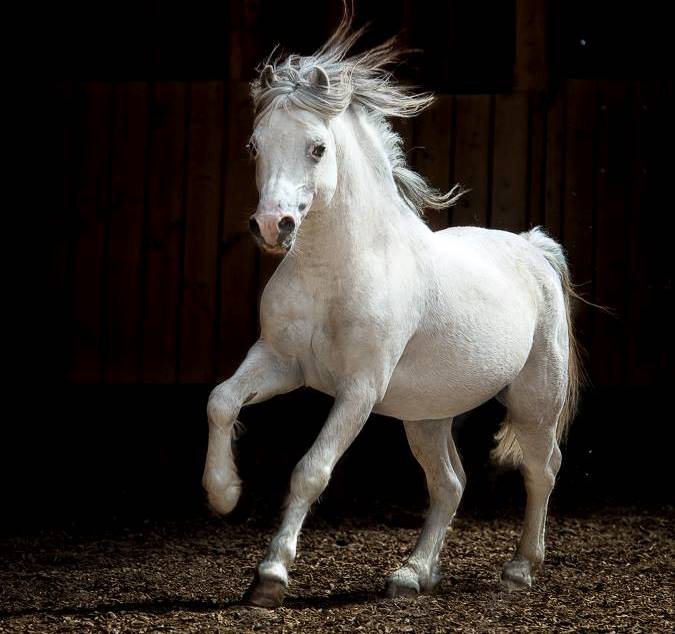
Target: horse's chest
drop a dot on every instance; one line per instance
(327, 339)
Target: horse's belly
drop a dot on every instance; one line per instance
(443, 378)
(407, 400)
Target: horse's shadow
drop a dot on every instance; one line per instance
(159, 606)
(167, 605)
(336, 600)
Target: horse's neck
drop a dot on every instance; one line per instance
(365, 212)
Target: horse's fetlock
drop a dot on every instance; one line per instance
(223, 490)
(283, 548)
(273, 570)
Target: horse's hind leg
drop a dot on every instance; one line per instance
(534, 402)
(432, 444)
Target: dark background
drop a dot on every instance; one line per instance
(138, 284)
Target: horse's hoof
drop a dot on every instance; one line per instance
(395, 589)
(516, 576)
(403, 582)
(265, 593)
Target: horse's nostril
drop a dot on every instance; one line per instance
(254, 227)
(286, 224)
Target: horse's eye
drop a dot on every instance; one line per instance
(318, 150)
(253, 150)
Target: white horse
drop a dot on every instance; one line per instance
(373, 308)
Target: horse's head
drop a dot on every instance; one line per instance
(298, 102)
(296, 169)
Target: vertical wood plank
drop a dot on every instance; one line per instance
(238, 319)
(648, 274)
(656, 215)
(433, 143)
(612, 175)
(536, 170)
(246, 37)
(638, 246)
(125, 245)
(556, 151)
(531, 67)
(93, 200)
(579, 197)
(197, 348)
(164, 231)
(56, 342)
(471, 159)
(509, 176)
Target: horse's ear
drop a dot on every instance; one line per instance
(267, 76)
(319, 78)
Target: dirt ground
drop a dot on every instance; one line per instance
(605, 571)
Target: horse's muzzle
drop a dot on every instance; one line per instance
(274, 232)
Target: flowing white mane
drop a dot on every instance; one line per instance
(328, 82)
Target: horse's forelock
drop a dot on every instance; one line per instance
(329, 80)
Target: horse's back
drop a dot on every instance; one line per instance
(509, 251)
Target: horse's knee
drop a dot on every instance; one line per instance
(221, 406)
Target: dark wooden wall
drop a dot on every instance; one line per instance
(160, 281)
(145, 291)
(163, 280)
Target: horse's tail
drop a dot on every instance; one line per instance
(508, 450)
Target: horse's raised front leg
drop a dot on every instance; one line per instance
(261, 376)
(432, 444)
(310, 477)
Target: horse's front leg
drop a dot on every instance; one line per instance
(310, 477)
(262, 375)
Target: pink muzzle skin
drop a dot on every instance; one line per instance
(274, 229)
(269, 228)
